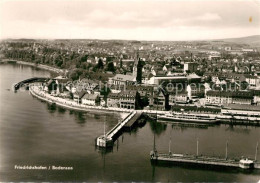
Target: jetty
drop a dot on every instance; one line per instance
(27, 81)
(244, 163)
(107, 139)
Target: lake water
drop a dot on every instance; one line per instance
(34, 133)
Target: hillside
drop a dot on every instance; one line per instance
(251, 40)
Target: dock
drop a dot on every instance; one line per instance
(243, 163)
(131, 123)
(204, 160)
(106, 140)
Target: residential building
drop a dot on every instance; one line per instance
(252, 80)
(77, 96)
(90, 99)
(160, 100)
(124, 99)
(143, 90)
(127, 99)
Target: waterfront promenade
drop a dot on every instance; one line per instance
(69, 103)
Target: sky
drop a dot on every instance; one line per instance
(171, 20)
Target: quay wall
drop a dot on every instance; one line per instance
(34, 90)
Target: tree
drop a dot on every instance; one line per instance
(144, 101)
(100, 64)
(138, 103)
(110, 67)
(121, 63)
(84, 58)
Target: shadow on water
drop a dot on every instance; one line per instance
(80, 117)
(61, 110)
(239, 129)
(51, 107)
(96, 116)
(104, 151)
(156, 127)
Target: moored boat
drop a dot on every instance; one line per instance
(186, 117)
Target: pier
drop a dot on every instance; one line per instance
(204, 160)
(27, 81)
(106, 140)
(243, 163)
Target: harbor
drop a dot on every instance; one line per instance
(66, 136)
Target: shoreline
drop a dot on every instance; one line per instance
(40, 66)
(70, 104)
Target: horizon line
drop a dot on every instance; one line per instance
(109, 39)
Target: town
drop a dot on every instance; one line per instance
(195, 76)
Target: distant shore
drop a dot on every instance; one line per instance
(41, 66)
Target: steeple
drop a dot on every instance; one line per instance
(135, 67)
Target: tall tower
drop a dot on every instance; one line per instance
(136, 65)
(137, 69)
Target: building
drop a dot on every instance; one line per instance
(252, 80)
(120, 79)
(113, 100)
(127, 99)
(143, 90)
(88, 84)
(77, 96)
(157, 80)
(124, 99)
(256, 100)
(229, 97)
(190, 67)
(178, 97)
(90, 99)
(160, 100)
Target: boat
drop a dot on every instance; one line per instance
(186, 117)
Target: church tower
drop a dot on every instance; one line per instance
(137, 69)
(136, 65)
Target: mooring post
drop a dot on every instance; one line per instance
(226, 149)
(197, 147)
(256, 150)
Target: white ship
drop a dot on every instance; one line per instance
(186, 117)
